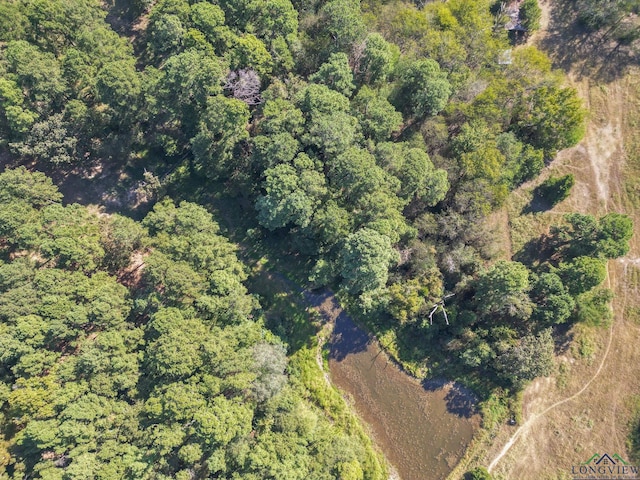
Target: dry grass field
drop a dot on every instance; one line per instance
(585, 407)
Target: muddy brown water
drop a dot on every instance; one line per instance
(422, 428)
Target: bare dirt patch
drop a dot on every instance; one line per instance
(131, 275)
(584, 408)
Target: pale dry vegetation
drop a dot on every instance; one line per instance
(603, 359)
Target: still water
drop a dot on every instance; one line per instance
(422, 428)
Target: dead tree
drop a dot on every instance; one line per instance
(244, 85)
(440, 304)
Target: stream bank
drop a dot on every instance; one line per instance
(423, 428)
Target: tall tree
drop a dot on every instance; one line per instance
(424, 88)
(222, 127)
(366, 258)
(504, 290)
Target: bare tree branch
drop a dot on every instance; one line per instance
(244, 85)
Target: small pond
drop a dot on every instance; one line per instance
(422, 428)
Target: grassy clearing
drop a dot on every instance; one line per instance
(300, 328)
(632, 143)
(611, 154)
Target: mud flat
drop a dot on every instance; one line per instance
(422, 428)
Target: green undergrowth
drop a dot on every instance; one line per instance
(299, 327)
(633, 442)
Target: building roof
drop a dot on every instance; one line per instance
(512, 11)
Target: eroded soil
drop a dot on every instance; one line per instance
(585, 408)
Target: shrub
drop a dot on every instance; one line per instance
(555, 189)
(478, 473)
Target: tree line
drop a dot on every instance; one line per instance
(367, 138)
(133, 350)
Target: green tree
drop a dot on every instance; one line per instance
(522, 162)
(118, 85)
(292, 195)
(223, 125)
(320, 99)
(530, 14)
(615, 233)
(581, 274)
(584, 235)
(553, 304)
(71, 237)
(356, 174)
(331, 133)
(478, 473)
(248, 51)
(270, 150)
(578, 237)
(552, 118)
(407, 300)
(177, 95)
(38, 73)
(13, 23)
(281, 116)
(166, 33)
(331, 224)
(531, 357)
(420, 179)
(49, 140)
(378, 60)
(342, 23)
(109, 364)
(209, 19)
(504, 290)
(336, 74)
(378, 118)
(176, 353)
(424, 89)
(33, 188)
(120, 237)
(365, 259)
(274, 19)
(594, 307)
(555, 189)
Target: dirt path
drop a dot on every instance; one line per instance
(562, 428)
(535, 417)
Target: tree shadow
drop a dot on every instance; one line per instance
(121, 15)
(535, 251)
(347, 338)
(460, 401)
(538, 204)
(98, 182)
(588, 54)
(563, 337)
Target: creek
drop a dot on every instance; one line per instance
(423, 428)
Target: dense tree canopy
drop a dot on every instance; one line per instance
(362, 142)
(169, 375)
